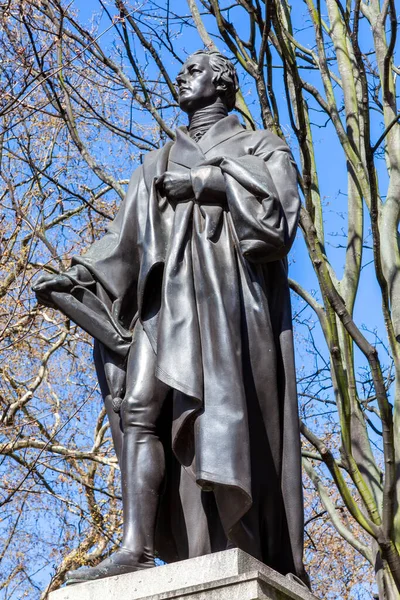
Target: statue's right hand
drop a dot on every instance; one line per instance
(47, 283)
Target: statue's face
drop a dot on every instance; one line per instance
(195, 86)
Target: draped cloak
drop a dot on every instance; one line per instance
(207, 278)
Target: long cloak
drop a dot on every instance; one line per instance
(208, 280)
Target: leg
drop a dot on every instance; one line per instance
(143, 461)
(142, 465)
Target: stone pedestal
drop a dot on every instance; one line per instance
(230, 575)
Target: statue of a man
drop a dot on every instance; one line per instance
(187, 298)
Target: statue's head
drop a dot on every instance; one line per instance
(205, 77)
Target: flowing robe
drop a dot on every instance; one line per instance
(208, 280)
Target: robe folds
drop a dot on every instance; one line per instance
(207, 278)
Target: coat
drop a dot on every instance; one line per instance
(208, 280)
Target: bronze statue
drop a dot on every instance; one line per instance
(187, 298)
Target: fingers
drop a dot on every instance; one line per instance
(176, 186)
(39, 286)
(165, 183)
(41, 281)
(47, 282)
(166, 180)
(43, 286)
(160, 182)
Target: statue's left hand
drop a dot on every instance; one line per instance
(177, 186)
(47, 283)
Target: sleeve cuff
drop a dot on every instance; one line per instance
(79, 275)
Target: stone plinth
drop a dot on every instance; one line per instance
(230, 575)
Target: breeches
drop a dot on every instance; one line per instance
(145, 394)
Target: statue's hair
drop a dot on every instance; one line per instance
(225, 74)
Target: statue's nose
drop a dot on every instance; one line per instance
(181, 79)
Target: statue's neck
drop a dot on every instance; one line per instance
(201, 120)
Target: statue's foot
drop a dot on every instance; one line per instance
(121, 562)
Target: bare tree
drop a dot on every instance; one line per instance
(81, 102)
